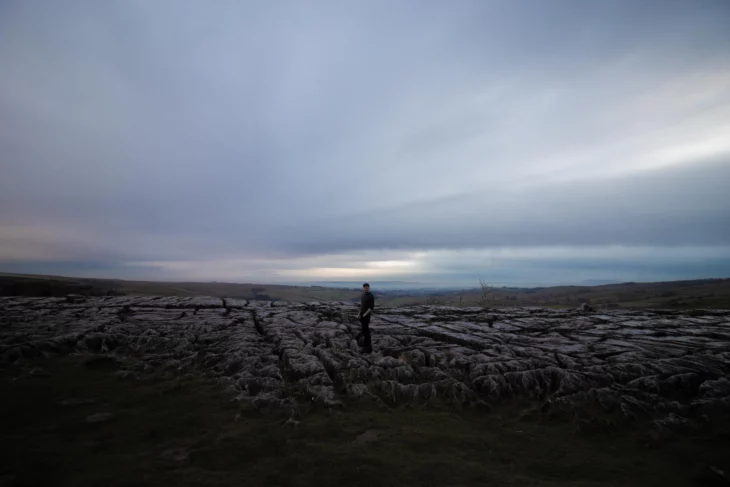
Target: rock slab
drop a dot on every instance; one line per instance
(668, 365)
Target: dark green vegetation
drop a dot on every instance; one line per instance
(167, 430)
(702, 293)
(45, 286)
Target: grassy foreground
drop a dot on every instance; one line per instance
(173, 431)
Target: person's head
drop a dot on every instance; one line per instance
(366, 287)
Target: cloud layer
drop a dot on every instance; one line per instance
(517, 141)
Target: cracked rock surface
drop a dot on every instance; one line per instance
(673, 367)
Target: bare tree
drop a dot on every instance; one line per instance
(486, 293)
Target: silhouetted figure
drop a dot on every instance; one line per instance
(367, 303)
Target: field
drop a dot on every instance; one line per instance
(702, 293)
(169, 432)
(31, 285)
(159, 390)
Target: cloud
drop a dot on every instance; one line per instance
(242, 138)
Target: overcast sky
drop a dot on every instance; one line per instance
(298, 141)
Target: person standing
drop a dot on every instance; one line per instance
(367, 303)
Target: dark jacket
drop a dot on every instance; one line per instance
(367, 302)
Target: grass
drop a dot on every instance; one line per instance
(186, 431)
(701, 293)
(30, 285)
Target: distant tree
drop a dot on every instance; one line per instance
(485, 292)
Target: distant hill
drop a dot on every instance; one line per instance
(597, 282)
(701, 293)
(32, 285)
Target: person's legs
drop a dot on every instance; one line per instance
(365, 323)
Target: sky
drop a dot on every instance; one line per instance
(516, 141)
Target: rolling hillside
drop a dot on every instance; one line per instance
(703, 293)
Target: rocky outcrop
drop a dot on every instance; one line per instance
(663, 365)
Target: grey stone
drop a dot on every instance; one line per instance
(99, 417)
(368, 436)
(179, 455)
(632, 363)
